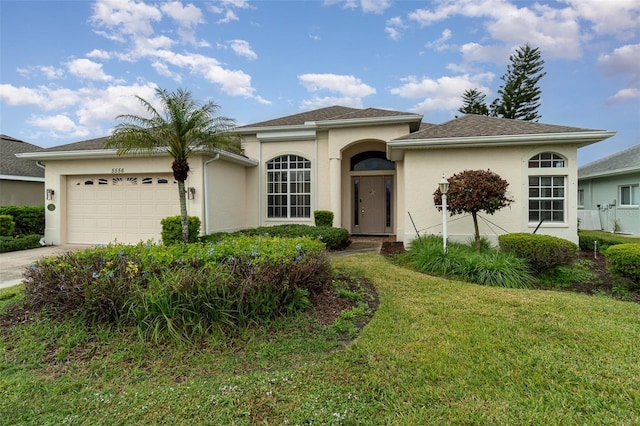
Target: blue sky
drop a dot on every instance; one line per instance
(68, 68)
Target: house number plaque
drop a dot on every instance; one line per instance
(117, 170)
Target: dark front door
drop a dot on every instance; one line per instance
(371, 204)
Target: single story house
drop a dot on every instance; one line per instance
(375, 169)
(21, 180)
(609, 193)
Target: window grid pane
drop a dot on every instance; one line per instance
(546, 160)
(546, 198)
(289, 187)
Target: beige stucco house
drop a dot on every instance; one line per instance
(375, 169)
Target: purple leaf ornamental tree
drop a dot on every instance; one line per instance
(472, 191)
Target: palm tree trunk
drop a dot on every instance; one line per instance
(183, 211)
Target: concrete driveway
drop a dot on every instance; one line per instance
(13, 264)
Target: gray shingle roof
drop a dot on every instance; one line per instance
(87, 145)
(13, 166)
(628, 160)
(327, 114)
(472, 125)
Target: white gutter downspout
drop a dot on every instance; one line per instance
(206, 193)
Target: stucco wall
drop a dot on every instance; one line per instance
(226, 188)
(423, 169)
(21, 193)
(602, 195)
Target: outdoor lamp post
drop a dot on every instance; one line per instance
(444, 187)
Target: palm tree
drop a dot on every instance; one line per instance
(180, 128)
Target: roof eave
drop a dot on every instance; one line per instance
(22, 178)
(577, 138)
(608, 173)
(352, 122)
(69, 155)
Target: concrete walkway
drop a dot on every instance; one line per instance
(13, 264)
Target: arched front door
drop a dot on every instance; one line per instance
(372, 186)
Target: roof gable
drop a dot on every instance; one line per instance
(627, 160)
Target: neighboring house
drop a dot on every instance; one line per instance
(21, 180)
(609, 193)
(372, 168)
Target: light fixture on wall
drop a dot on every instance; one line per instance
(191, 193)
(50, 193)
(444, 188)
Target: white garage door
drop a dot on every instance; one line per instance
(122, 208)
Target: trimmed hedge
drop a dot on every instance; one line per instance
(28, 219)
(623, 262)
(323, 218)
(542, 252)
(603, 240)
(7, 225)
(20, 242)
(172, 229)
(333, 238)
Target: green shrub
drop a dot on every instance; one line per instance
(566, 275)
(492, 268)
(323, 218)
(623, 262)
(542, 252)
(333, 238)
(181, 290)
(172, 229)
(28, 219)
(20, 242)
(7, 225)
(602, 240)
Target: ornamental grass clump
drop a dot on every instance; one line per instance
(182, 289)
(489, 267)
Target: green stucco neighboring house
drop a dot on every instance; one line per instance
(609, 193)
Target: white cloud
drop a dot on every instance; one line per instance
(242, 48)
(624, 95)
(124, 17)
(375, 6)
(367, 6)
(345, 90)
(162, 69)
(98, 54)
(620, 18)
(440, 43)
(444, 93)
(347, 85)
(186, 16)
(556, 31)
(87, 69)
(393, 27)
(43, 97)
(58, 123)
(623, 61)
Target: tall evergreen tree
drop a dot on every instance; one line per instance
(520, 94)
(473, 102)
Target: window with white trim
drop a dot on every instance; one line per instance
(629, 195)
(581, 197)
(289, 187)
(547, 192)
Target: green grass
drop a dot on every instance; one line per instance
(436, 352)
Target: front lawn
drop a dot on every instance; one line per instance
(436, 352)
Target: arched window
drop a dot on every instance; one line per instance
(289, 187)
(547, 194)
(371, 160)
(546, 159)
